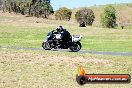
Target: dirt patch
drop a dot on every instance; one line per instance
(46, 59)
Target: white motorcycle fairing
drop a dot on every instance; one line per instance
(76, 38)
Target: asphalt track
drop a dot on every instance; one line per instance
(66, 50)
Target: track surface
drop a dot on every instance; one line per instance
(81, 51)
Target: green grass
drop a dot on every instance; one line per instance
(99, 39)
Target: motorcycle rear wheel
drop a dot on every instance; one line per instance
(76, 46)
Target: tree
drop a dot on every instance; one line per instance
(8, 5)
(85, 16)
(43, 8)
(108, 17)
(63, 14)
(39, 8)
(1, 4)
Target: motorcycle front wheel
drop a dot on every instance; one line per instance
(76, 46)
(46, 46)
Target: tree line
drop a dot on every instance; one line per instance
(38, 8)
(43, 8)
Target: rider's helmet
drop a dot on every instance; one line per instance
(59, 29)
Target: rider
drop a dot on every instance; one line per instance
(64, 33)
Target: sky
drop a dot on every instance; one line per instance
(83, 3)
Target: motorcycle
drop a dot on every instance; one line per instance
(56, 42)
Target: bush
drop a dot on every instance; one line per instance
(108, 17)
(63, 14)
(85, 15)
